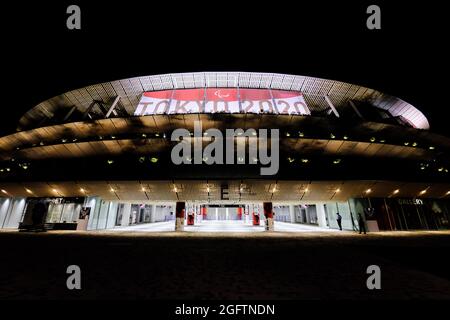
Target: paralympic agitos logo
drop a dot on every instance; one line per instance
(230, 149)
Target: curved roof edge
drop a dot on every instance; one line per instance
(130, 90)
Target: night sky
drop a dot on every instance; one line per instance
(407, 58)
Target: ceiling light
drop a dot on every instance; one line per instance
(28, 190)
(110, 161)
(368, 191)
(4, 191)
(112, 189)
(82, 190)
(338, 190)
(372, 139)
(423, 191)
(431, 148)
(154, 160)
(396, 191)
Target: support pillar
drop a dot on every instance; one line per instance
(204, 212)
(321, 218)
(191, 215)
(179, 216)
(239, 213)
(268, 213)
(292, 213)
(125, 214)
(153, 215)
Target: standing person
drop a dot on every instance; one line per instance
(339, 220)
(362, 225)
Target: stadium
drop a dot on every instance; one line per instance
(99, 158)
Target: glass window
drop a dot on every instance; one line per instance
(54, 212)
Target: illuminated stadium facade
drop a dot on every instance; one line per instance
(100, 157)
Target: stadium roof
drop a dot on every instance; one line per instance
(130, 90)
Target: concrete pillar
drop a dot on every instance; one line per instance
(153, 215)
(321, 218)
(292, 213)
(179, 216)
(125, 214)
(268, 213)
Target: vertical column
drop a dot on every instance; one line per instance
(268, 213)
(239, 213)
(321, 219)
(204, 213)
(292, 213)
(126, 214)
(153, 215)
(179, 216)
(191, 215)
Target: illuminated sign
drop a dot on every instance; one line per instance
(222, 100)
(414, 201)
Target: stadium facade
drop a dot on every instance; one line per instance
(100, 157)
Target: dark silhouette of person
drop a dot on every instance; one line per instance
(362, 225)
(339, 220)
